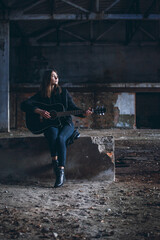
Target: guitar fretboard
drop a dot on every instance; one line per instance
(67, 113)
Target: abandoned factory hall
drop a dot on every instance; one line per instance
(80, 119)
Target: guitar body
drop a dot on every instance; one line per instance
(37, 125)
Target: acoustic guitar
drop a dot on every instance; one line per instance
(37, 124)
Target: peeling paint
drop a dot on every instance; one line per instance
(126, 103)
(124, 110)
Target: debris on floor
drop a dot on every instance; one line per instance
(125, 209)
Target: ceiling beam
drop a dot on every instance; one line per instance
(70, 24)
(15, 15)
(158, 6)
(133, 26)
(32, 42)
(73, 34)
(44, 34)
(52, 6)
(132, 5)
(33, 5)
(97, 5)
(146, 14)
(75, 5)
(107, 31)
(131, 29)
(51, 44)
(112, 5)
(94, 6)
(91, 32)
(147, 33)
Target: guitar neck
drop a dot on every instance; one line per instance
(67, 113)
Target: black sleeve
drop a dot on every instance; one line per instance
(29, 105)
(72, 105)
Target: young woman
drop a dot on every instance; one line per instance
(51, 93)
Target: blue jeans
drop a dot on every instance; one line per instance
(57, 138)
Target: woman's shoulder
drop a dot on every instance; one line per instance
(38, 95)
(64, 90)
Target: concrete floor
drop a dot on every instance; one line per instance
(125, 209)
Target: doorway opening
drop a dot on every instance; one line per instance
(148, 110)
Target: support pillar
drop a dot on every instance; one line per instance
(4, 76)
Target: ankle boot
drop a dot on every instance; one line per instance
(60, 178)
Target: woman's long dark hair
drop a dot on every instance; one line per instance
(45, 87)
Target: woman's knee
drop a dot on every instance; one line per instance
(50, 134)
(61, 139)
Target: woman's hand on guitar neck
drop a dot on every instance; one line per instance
(88, 112)
(45, 114)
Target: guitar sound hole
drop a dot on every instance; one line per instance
(53, 115)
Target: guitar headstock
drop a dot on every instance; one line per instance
(99, 110)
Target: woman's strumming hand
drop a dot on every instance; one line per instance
(43, 113)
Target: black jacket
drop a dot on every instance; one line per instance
(64, 97)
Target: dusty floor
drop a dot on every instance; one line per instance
(129, 208)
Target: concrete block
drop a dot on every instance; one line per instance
(92, 158)
(87, 158)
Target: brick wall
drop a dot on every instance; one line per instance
(83, 99)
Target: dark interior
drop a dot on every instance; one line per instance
(148, 110)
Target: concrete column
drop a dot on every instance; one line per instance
(4, 76)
